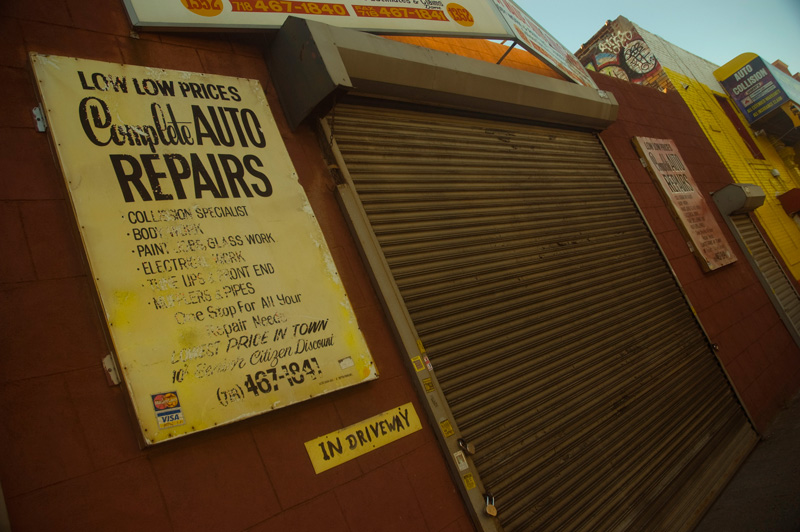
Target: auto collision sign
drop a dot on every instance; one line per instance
(423, 17)
(754, 89)
(219, 292)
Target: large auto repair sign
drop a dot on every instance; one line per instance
(219, 291)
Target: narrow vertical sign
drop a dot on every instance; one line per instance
(219, 291)
(688, 207)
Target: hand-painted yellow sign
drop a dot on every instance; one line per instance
(219, 291)
(336, 448)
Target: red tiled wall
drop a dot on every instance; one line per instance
(69, 458)
(755, 347)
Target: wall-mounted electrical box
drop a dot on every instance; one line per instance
(739, 198)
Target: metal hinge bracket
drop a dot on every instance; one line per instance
(41, 121)
(112, 370)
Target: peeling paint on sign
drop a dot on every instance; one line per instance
(217, 285)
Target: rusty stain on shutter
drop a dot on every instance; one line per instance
(564, 348)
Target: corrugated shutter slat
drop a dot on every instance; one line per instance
(564, 348)
(768, 264)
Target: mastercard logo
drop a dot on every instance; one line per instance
(164, 401)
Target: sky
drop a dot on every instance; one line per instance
(716, 30)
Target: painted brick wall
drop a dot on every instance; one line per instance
(68, 453)
(744, 168)
(755, 348)
(679, 60)
(69, 458)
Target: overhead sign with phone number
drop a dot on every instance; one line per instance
(219, 292)
(541, 43)
(494, 19)
(439, 17)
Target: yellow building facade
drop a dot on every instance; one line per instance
(776, 173)
(625, 50)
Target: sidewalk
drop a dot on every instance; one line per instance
(764, 495)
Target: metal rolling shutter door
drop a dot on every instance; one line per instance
(558, 335)
(776, 279)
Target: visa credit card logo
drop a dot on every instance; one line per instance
(168, 409)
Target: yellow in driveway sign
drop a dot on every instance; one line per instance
(338, 447)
